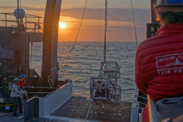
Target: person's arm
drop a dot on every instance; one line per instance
(138, 79)
(15, 89)
(27, 84)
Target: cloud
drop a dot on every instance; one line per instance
(115, 14)
(120, 21)
(25, 8)
(142, 16)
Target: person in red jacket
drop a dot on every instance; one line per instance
(159, 59)
(22, 80)
(22, 84)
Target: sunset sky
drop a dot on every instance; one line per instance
(120, 27)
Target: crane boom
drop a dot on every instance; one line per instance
(50, 42)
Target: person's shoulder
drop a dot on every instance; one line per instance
(147, 43)
(13, 86)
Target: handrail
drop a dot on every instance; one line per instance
(152, 111)
(30, 87)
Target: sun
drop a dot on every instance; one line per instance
(62, 25)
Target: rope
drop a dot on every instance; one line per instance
(50, 82)
(77, 33)
(90, 105)
(134, 23)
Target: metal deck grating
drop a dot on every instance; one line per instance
(77, 107)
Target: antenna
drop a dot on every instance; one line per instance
(105, 31)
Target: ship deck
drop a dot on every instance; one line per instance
(77, 108)
(4, 117)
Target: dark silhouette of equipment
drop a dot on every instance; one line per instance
(50, 41)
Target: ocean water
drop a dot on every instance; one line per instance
(84, 62)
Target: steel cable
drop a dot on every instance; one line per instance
(134, 24)
(67, 55)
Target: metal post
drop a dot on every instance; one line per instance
(26, 21)
(0, 40)
(27, 41)
(152, 111)
(18, 13)
(38, 25)
(6, 21)
(105, 31)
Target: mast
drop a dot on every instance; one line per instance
(105, 31)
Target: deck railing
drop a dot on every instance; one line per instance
(153, 114)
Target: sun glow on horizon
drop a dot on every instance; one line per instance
(62, 25)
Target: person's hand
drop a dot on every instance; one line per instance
(32, 86)
(23, 86)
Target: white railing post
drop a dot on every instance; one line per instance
(152, 111)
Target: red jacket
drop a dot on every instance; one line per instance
(22, 82)
(159, 64)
